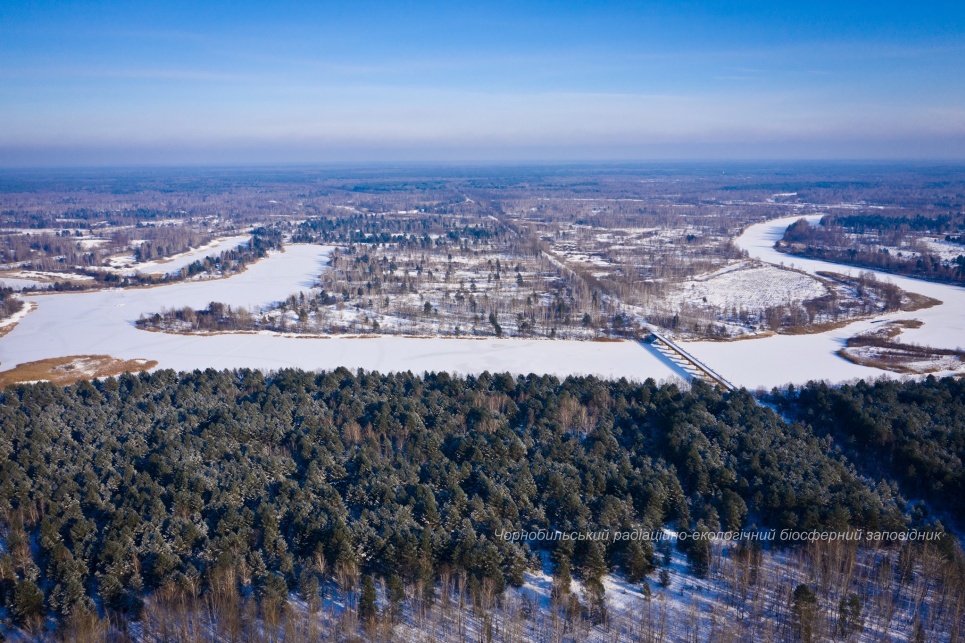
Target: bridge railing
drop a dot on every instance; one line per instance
(699, 365)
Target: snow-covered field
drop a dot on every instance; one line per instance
(947, 250)
(781, 359)
(103, 323)
(754, 288)
(18, 279)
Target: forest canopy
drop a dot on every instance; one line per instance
(162, 479)
(910, 432)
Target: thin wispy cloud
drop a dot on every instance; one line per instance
(74, 74)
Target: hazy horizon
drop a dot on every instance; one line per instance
(300, 83)
(498, 167)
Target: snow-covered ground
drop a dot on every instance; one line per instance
(18, 279)
(754, 288)
(17, 316)
(947, 250)
(911, 361)
(102, 322)
(781, 359)
(17, 283)
(174, 264)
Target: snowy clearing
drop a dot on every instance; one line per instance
(947, 250)
(752, 288)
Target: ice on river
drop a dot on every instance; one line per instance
(782, 359)
(103, 323)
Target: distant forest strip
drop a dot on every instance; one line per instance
(831, 242)
(298, 314)
(227, 262)
(112, 488)
(167, 241)
(55, 251)
(862, 223)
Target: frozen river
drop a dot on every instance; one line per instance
(103, 323)
(798, 358)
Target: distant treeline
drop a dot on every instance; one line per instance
(47, 251)
(861, 223)
(425, 231)
(227, 262)
(112, 488)
(168, 240)
(84, 217)
(833, 244)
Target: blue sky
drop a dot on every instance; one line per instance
(93, 83)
